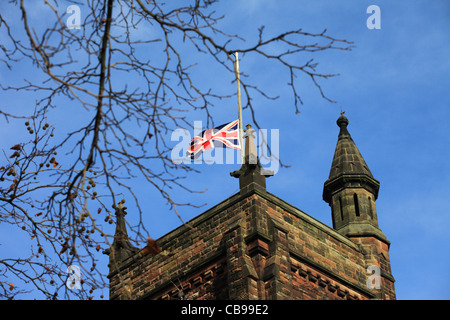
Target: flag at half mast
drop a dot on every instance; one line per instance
(223, 136)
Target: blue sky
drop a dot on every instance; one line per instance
(394, 88)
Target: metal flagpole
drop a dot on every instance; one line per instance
(238, 82)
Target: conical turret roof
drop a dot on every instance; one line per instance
(348, 165)
(347, 158)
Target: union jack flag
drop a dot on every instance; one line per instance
(224, 136)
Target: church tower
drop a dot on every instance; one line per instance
(255, 246)
(351, 191)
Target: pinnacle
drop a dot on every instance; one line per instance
(251, 173)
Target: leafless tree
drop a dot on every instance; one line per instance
(127, 90)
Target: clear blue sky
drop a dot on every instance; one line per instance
(394, 87)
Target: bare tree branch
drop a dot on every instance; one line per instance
(123, 91)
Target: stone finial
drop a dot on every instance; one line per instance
(251, 175)
(121, 247)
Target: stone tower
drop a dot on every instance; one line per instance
(254, 245)
(351, 191)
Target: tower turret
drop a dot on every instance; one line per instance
(351, 191)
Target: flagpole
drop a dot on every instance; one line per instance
(238, 82)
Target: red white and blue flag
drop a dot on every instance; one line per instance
(224, 136)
